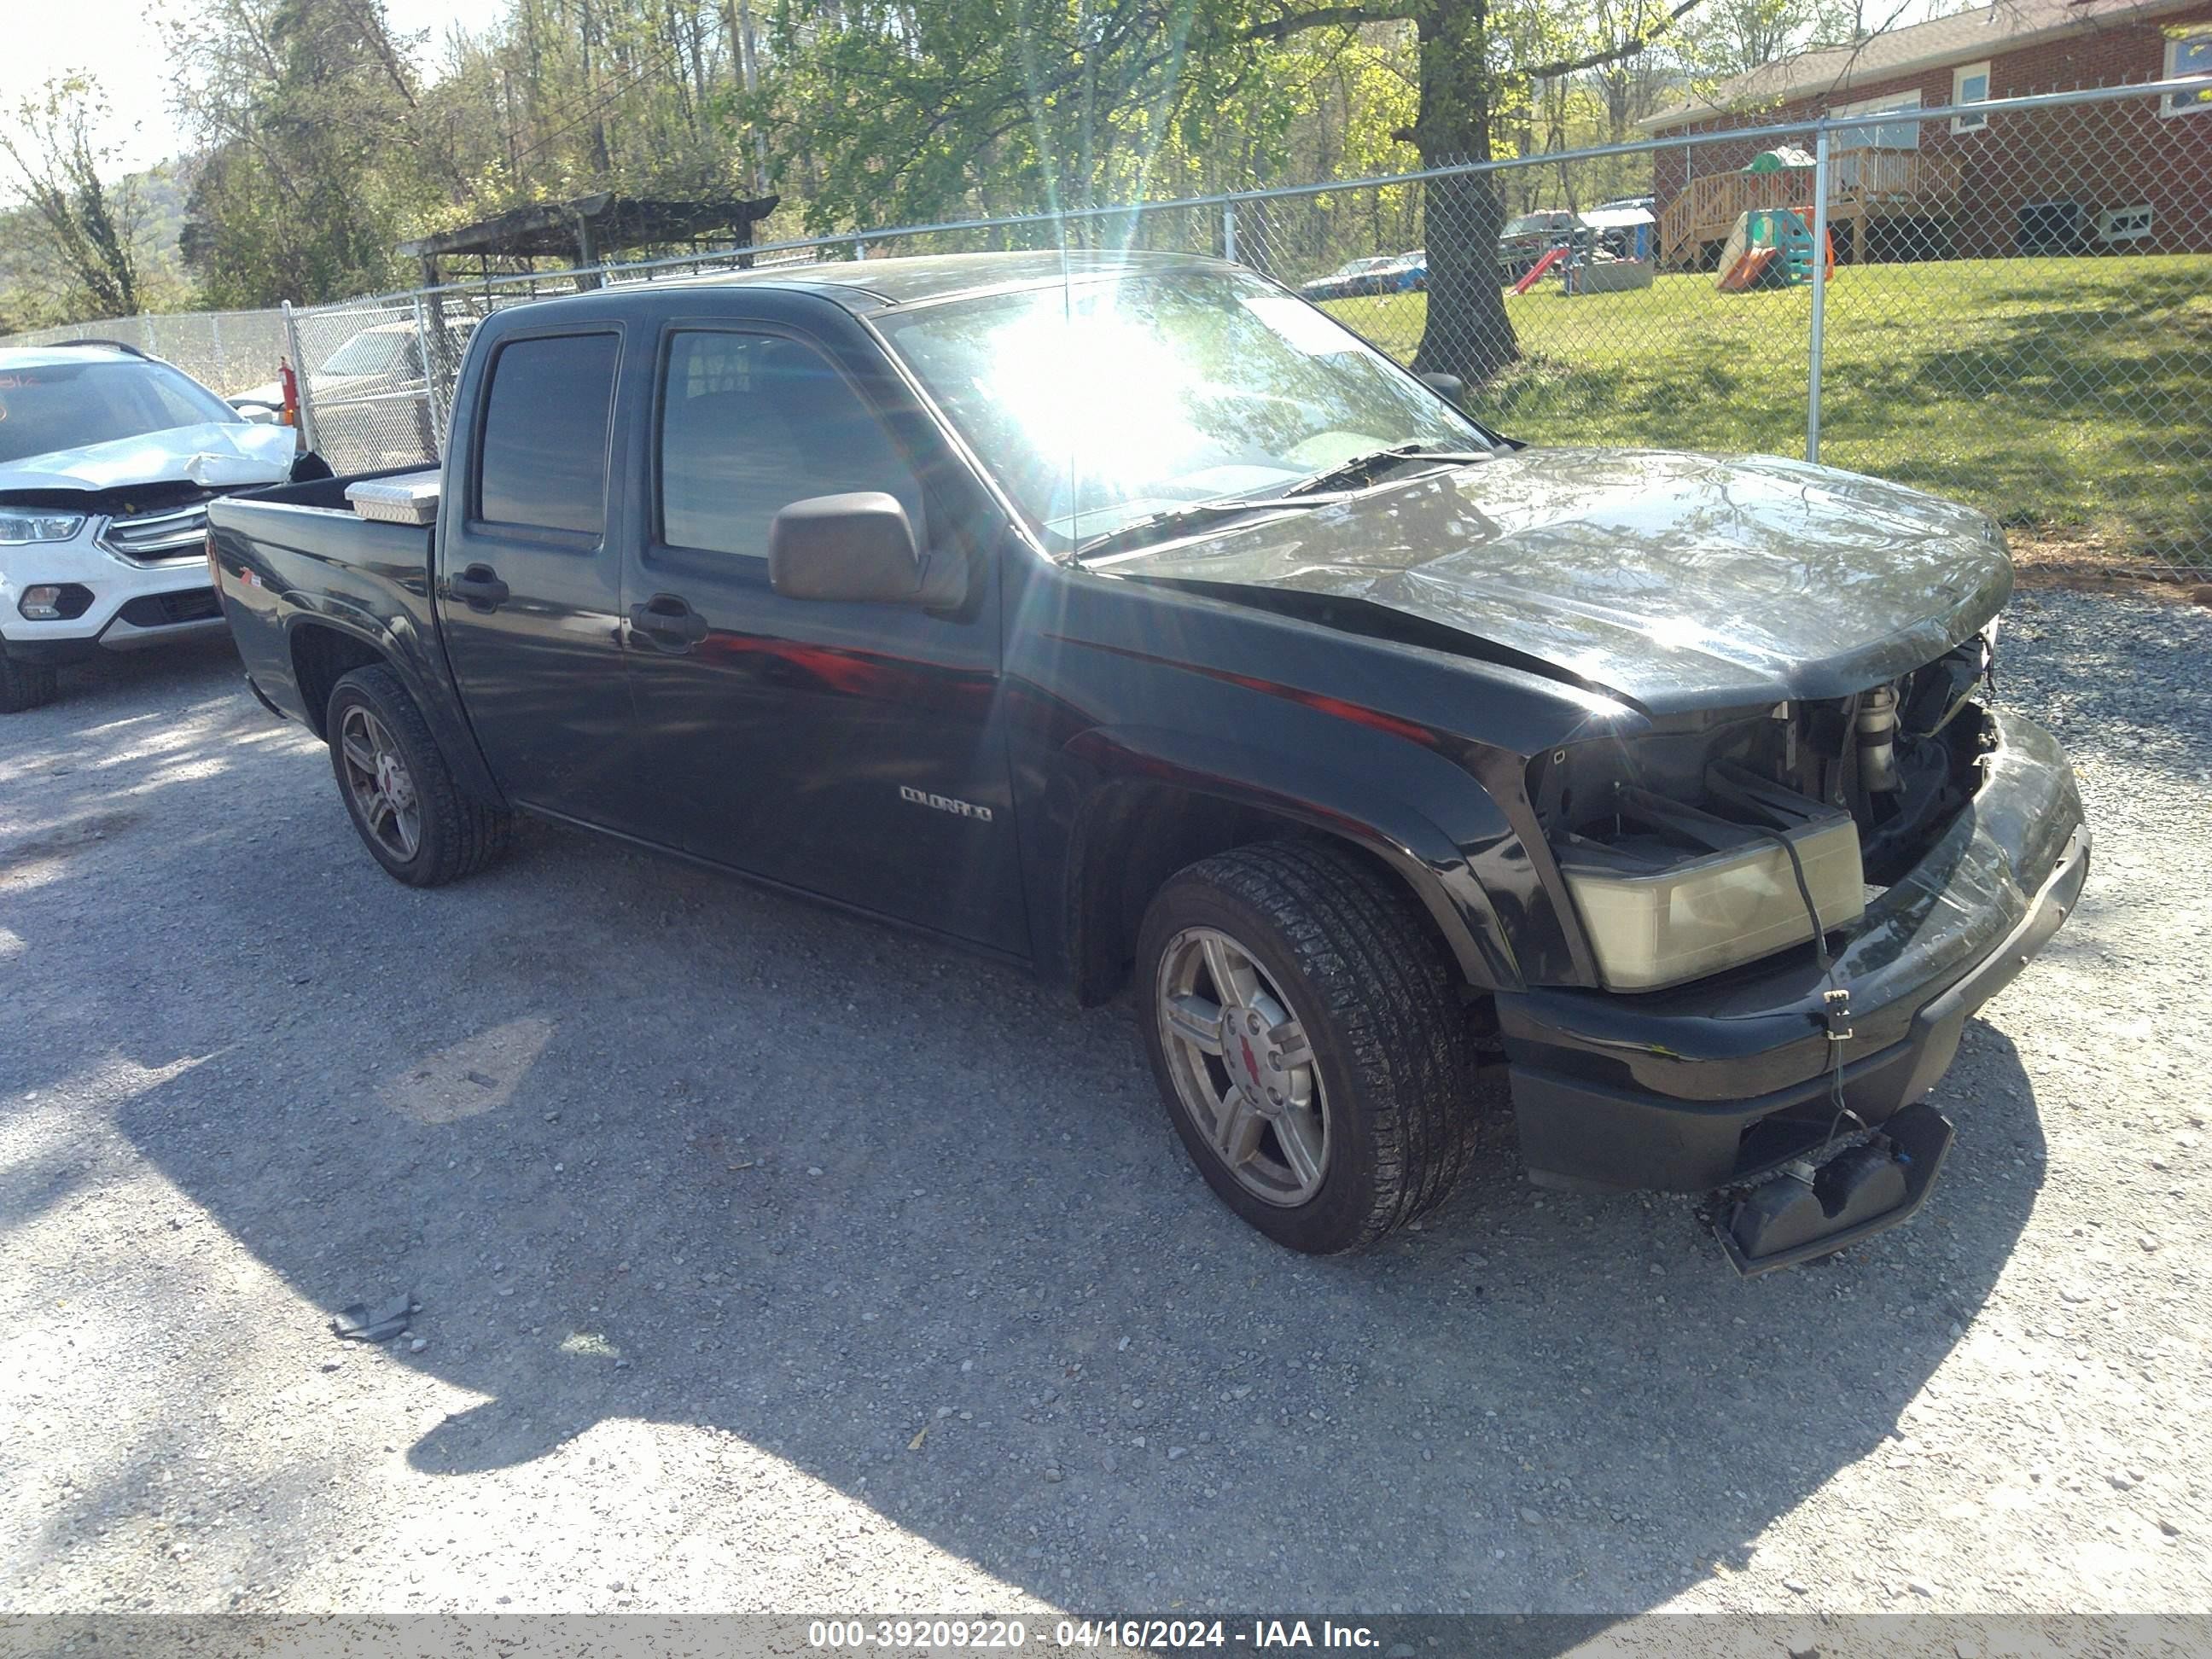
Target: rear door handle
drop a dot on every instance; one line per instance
(478, 587)
(668, 621)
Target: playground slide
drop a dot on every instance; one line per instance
(1750, 266)
(1770, 247)
(1536, 271)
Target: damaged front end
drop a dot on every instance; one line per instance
(1789, 913)
(1720, 840)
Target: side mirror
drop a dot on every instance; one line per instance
(857, 547)
(258, 412)
(1449, 387)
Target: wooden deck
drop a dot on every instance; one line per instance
(1862, 184)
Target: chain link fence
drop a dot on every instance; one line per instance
(2008, 303)
(232, 351)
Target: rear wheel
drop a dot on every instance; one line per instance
(1301, 1019)
(24, 685)
(400, 793)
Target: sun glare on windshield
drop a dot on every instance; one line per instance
(1100, 404)
(1101, 390)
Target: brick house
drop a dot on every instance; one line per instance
(2131, 176)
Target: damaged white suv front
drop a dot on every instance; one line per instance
(108, 458)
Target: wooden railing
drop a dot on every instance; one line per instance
(1860, 182)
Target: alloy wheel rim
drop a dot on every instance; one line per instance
(382, 788)
(1243, 1068)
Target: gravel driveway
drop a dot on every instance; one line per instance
(767, 1260)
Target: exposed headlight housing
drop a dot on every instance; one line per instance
(1682, 893)
(20, 529)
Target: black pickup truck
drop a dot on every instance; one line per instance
(1125, 618)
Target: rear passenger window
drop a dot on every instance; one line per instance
(750, 424)
(543, 460)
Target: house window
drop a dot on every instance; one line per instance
(1880, 135)
(2129, 224)
(1969, 84)
(2188, 51)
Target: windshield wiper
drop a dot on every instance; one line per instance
(1175, 517)
(1313, 491)
(1359, 468)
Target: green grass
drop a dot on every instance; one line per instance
(2068, 394)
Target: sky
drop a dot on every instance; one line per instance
(116, 40)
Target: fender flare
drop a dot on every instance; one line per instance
(416, 662)
(1364, 810)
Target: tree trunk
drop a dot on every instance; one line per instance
(1468, 333)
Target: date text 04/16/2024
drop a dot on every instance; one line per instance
(1091, 1634)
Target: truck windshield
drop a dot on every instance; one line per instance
(57, 406)
(1099, 404)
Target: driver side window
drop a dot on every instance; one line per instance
(753, 422)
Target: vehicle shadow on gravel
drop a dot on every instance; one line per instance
(645, 1144)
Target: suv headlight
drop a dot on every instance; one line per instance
(19, 528)
(1659, 914)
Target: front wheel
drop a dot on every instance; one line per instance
(399, 790)
(1300, 1017)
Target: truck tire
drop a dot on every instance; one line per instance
(1301, 1018)
(24, 685)
(397, 789)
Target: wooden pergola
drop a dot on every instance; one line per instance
(591, 229)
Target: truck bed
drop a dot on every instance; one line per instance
(312, 589)
(317, 518)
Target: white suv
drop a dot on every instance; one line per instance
(107, 460)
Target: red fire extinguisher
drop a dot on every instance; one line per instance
(290, 382)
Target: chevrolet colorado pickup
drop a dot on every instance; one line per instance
(1127, 619)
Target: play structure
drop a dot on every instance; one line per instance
(1770, 247)
(1608, 252)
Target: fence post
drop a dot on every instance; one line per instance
(1229, 232)
(214, 350)
(300, 377)
(1817, 344)
(429, 431)
(860, 249)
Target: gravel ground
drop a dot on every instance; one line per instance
(769, 1260)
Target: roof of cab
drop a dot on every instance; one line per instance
(869, 285)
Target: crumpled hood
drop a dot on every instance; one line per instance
(1670, 579)
(220, 455)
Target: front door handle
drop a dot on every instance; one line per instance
(479, 587)
(668, 621)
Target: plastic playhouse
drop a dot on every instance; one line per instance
(1770, 247)
(1610, 252)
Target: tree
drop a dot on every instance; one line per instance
(896, 110)
(91, 229)
(308, 115)
(561, 97)
(892, 112)
(1729, 38)
(1468, 63)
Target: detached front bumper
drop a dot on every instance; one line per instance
(1722, 1081)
